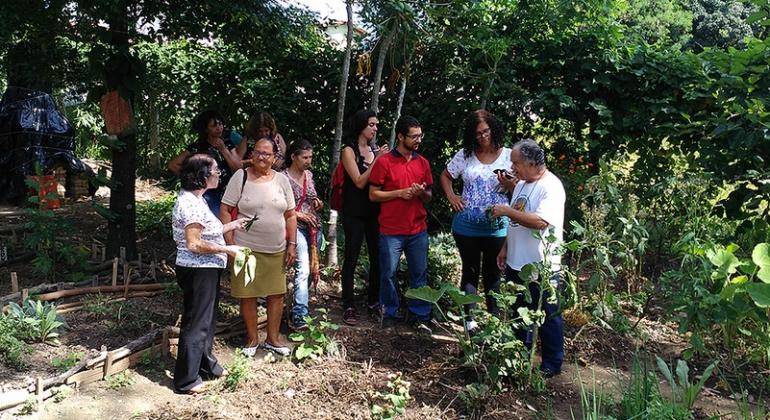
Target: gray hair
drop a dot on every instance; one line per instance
(530, 151)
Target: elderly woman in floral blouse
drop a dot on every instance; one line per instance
(201, 257)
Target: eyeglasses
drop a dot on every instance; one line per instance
(416, 136)
(263, 155)
(217, 172)
(483, 133)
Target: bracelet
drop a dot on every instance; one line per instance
(292, 243)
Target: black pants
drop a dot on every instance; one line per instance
(356, 229)
(480, 252)
(200, 288)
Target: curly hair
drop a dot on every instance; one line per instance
(196, 168)
(354, 125)
(200, 123)
(496, 133)
(530, 151)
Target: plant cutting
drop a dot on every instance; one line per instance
(244, 260)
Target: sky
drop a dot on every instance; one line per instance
(332, 9)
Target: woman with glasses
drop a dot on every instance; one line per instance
(201, 257)
(359, 215)
(262, 125)
(266, 199)
(209, 126)
(478, 236)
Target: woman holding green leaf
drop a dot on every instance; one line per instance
(201, 258)
(266, 200)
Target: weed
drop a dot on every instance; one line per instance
(120, 380)
(97, 304)
(67, 362)
(315, 340)
(151, 361)
(594, 403)
(240, 371)
(155, 214)
(683, 391)
(11, 345)
(61, 393)
(228, 310)
(393, 402)
(30, 406)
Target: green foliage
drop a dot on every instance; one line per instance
(240, 371)
(12, 346)
(97, 305)
(155, 214)
(152, 361)
(315, 340)
(30, 406)
(48, 236)
(642, 397)
(120, 380)
(60, 393)
(720, 23)
(391, 403)
(36, 320)
(68, 361)
(683, 391)
(658, 21)
(595, 404)
(443, 259)
(721, 295)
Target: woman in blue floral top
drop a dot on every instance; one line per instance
(478, 236)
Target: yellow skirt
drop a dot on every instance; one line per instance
(269, 279)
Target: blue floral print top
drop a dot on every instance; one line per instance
(479, 194)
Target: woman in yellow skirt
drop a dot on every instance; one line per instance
(272, 239)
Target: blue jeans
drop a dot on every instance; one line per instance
(551, 332)
(301, 278)
(415, 247)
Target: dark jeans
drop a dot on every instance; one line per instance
(356, 229)
(480, 252)
(551, 332)
(200, 290)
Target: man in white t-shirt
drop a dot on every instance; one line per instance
(537, 204)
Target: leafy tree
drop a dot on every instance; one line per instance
(720, 23)
(665, 21)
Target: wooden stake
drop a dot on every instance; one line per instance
(140, 261)
(104, 254)
(115, 271)
(94, 251)
(14, 282)
(164, 344)
(39, 389)
(108, 364)
(95, 281)
(24, 294)
(122, 255)
(152, 270)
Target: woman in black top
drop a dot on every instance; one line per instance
(359, 215)
(210, 128)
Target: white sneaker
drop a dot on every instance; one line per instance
(471, 325)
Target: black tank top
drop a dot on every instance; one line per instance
(356, 200)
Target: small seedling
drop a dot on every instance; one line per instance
(240, 371)
(120, 380)
(61, 393)
(315, 340)
(393, 402)
(66, 362)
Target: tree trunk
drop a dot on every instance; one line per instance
(384, 47)
(331, 254)
(122, 228)
(154, 133)
(401, 94)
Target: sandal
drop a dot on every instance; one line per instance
(349, 316)
(197, 389)
(249, 351)
(279, 350)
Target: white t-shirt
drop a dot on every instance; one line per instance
(190, 209)
(545, 198)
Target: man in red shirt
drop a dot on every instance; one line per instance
(400, 180)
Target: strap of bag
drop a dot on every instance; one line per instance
(243, 185)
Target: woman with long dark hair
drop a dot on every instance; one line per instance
(262, 125)
(479, 237)
(299, 157)
(209, 126)
(359, 215)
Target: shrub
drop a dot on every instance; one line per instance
(36, 320)
(11, 345)
(315, 341)
(155, 214)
